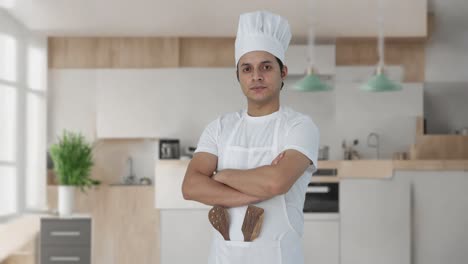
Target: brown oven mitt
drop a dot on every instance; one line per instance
(253, 221)
(219, 219)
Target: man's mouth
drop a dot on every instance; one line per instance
(257, 88)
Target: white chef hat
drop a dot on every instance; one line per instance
(264, 31)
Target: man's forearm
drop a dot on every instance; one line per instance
(208, 191)
(258, 182)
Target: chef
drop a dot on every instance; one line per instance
(263, 155)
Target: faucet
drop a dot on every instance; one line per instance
(130, 179)
(375, 137)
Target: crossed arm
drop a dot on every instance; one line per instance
(232, 187)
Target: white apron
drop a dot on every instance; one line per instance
(278, 242)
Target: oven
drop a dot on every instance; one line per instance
(322, 197)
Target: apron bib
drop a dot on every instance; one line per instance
(278, 242)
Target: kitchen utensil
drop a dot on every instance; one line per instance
(349, 153)
(323, 152)
(219, 219)
(400, 156)
(253, 221)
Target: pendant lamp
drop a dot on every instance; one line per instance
(380, 82)
(311, 82)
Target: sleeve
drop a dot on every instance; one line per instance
(304, 137)
(208, 141)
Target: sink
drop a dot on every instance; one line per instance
(128, 184)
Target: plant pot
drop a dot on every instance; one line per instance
(66, 200)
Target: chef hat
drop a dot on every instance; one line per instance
(262, 30)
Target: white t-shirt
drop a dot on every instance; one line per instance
(296, 131)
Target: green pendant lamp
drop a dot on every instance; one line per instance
(380, 82)
(311, 82)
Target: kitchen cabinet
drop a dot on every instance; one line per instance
(139, 103)
(321, 239)
(65, 240)
(375, 221)
(439, 215)
(185, 236)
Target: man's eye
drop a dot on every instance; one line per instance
(267, 67)
(246, 69)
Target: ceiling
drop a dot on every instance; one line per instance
(217, 18)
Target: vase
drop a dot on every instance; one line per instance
(66, 195)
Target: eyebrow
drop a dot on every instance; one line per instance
(263, 62)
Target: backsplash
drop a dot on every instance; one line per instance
(111, 159)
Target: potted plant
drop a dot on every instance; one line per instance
(73, 160)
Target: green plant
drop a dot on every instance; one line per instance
(73, 160)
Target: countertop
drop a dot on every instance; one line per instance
(354, 168)
(386, 168)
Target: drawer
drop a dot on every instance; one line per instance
(65, 232)
(65, 255)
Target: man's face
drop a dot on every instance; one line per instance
(260, 77)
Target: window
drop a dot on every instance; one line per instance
(23, 93)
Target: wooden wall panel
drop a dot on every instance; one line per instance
(115, 52)
(410, 53)
(72, 52)
(207, 52)
(154, 52)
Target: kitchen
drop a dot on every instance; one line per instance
(417, 163)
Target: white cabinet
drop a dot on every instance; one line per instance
(321, 240)
(185, 236)
(375, 221)
(163, 102)
(169, 176)
(440, 215)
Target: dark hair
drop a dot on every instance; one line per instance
(281, 70)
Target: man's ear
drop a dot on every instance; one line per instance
(284, 72)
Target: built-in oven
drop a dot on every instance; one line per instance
(322, 197)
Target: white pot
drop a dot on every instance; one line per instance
(66, 199)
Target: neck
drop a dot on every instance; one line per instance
(262, 110)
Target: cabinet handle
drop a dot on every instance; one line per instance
(65, 233)
(64, 258)
(318, 189)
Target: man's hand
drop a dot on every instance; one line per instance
(269, 180)
(278, 158)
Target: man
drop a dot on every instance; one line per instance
(264, 155)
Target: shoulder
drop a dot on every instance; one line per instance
(293, 118)
(225, 120)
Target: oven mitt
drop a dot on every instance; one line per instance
(219, 219)
(253, 221)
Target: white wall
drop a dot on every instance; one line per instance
(345, 113)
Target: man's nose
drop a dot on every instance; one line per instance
(257, 75)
